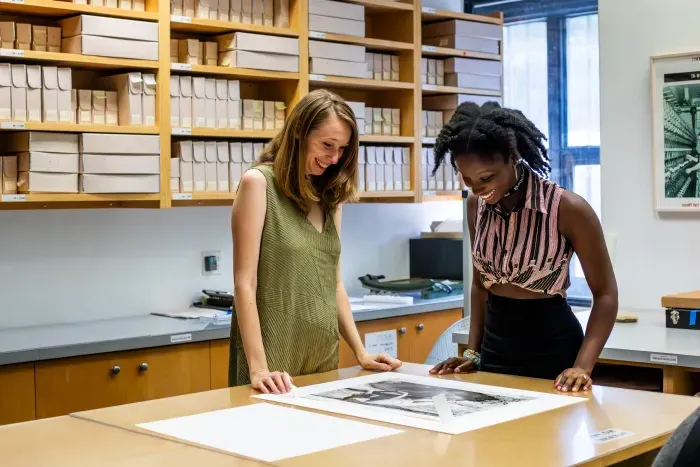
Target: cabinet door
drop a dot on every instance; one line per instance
(347, 358)
(175, 370)
(17, 389)
(426, 328)
(219, 353)
(90, 382)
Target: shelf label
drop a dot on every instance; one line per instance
(427, 9)
(608, 435)
(182, 131)
(13, 198)
(180, 19)
(663, 359)
(11, 52)
(429, 48)
(181, 66)
(430, 193)
(317, 35)
(317, 77)
(181, 196)
(180, 338)
(12, 125)
(428, 140)
(18, 2)
(429, 87)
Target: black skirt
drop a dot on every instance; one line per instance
(537, 338)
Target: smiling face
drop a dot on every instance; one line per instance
(489, 178)
(325, 145)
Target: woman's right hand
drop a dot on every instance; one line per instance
(454, 365)
(275, 382)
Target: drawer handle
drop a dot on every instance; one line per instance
(420, 327)
(143, 366)
(402, 331)
(116, 369)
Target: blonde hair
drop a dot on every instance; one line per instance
(287, 154)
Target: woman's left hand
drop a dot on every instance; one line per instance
(379, 362)
(573, 379)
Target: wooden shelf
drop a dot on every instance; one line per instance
(62, 9)
(186, 24)
(222, 133)
(78, 200)
(76, 128)
(433, 15)
(242, 73)
(386, 139)
(454, 195)
(382, 6)
(386, 194)
(435, 89)
(434, 51)
(81, 61)
(356, 83)
(370, 43)
(203, 199)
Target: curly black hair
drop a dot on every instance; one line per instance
(489, 130)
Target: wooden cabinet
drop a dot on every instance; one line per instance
(17, 393)
(416, 334)
(219, 363)
(95, 381)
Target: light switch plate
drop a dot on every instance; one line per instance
(211, 263)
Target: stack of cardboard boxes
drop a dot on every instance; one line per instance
(449, 102)
(194, 52)
(261, 12)
(432, 121)
(114, 163)
(382, 121)
(30, 37)
(445, 179)
(211, 166)
(331, 58)
(199, 102)
(382, 67)
(337, 18)
(432, 71)
(470, 36)
(135, 5)
(110, 37)
(32, 93)
(259, 51)
(359, 110)
(135, 100)
(46, 162)
(383, 168)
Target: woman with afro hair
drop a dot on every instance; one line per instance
(524, 230)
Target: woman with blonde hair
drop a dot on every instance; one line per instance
(290, 303)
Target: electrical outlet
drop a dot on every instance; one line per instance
(211, 263)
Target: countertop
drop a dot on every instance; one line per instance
(35, 343)
(646, 341)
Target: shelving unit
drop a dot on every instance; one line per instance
(392, 27)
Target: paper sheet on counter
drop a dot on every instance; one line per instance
(382, 342)
(268, 432)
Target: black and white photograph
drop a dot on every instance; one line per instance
(416, 399)
(675, 81)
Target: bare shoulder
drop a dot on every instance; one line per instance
(253, 180)
(472, 207)
(574, 210)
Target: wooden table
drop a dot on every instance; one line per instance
(555, 438)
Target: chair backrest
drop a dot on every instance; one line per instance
(444, 348)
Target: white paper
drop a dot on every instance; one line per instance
(268, 432)
(406, 399)
(356, 307)
(611, 434)
(382, 342)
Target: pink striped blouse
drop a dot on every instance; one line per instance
(524, 248)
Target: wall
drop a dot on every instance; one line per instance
(654, 256)
(62, 266)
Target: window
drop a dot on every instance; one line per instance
(551, 74)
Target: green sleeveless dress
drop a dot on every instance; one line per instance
(296, 292)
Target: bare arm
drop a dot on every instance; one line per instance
(247, 221)
(579, 223)
(478, 291)
(346, 323)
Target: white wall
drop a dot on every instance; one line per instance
(654, 256)
(61, 266)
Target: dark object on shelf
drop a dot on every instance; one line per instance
(214, 298)
(428, 288)
(682, 318)
(436, 258)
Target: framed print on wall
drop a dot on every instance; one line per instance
(675, 99)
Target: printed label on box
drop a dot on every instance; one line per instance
(664, 359)
(180, 338)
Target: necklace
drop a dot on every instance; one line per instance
(519, 182)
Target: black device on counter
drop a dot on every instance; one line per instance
(218, 299)
(436, 258)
